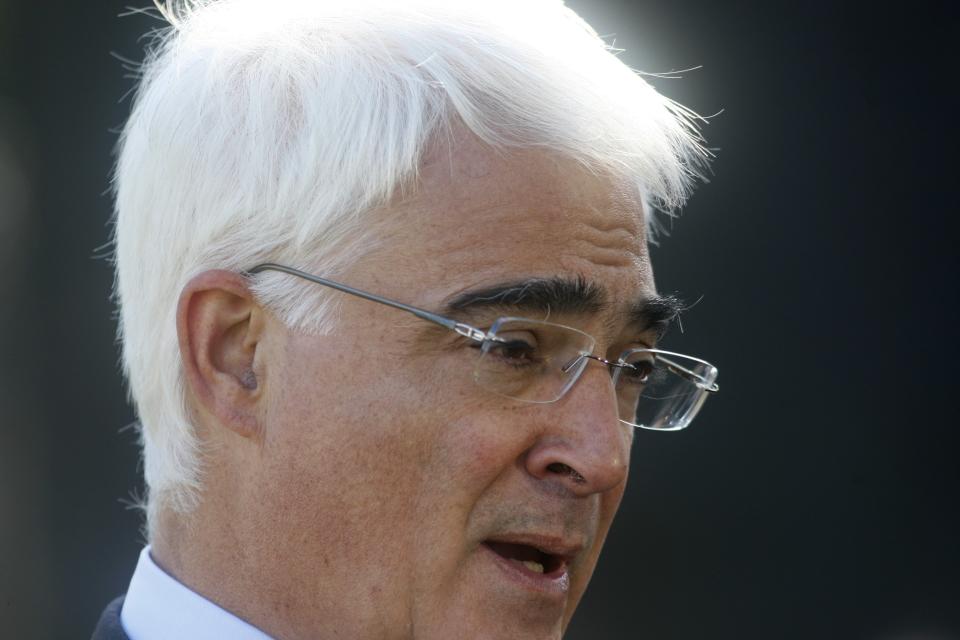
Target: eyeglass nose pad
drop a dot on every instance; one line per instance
(570, 366)
(615, 374)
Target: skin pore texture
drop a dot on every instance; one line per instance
(351, 479)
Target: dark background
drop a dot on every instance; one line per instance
(817, 494)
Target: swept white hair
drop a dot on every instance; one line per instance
(263, 130)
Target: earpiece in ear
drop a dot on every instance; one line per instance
(249, 379)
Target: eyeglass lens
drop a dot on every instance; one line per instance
(538, 361)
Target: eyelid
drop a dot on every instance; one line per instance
(618, 350)
(518, 334)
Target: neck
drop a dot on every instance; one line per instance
(235, 570)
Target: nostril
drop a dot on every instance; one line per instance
(566, 470)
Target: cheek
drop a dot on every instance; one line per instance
(340, 436)
(379, 436)
(480, 446)
(403, 461)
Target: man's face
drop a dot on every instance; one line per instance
(394, 497)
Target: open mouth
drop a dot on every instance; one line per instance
(529, 559)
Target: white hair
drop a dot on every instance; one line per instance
(262, 131)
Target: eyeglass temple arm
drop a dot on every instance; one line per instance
(463, 329)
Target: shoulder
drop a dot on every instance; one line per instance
(109, 627)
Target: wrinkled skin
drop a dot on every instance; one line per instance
(352, 477)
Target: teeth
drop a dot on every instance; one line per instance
(536, 567)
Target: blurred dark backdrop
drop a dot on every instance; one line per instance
(816, 496)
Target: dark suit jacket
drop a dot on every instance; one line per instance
(109, 628)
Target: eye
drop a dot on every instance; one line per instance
(637, 372)
(516, 349)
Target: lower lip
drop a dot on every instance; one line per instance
(555, 583)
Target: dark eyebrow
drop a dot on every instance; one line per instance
(656, 313)
(570, 296)
(546, 295)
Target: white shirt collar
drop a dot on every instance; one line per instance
(157, 606)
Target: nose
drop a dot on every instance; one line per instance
(583, 446)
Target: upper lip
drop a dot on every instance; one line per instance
(566, 548)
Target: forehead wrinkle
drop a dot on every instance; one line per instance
(584, 247)
(616, 217)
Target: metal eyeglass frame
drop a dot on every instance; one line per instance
(479, 335)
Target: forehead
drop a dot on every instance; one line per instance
(480, 217)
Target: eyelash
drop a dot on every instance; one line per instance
(497, 352)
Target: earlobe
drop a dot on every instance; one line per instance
(220, 326)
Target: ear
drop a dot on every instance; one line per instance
(219, 327)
